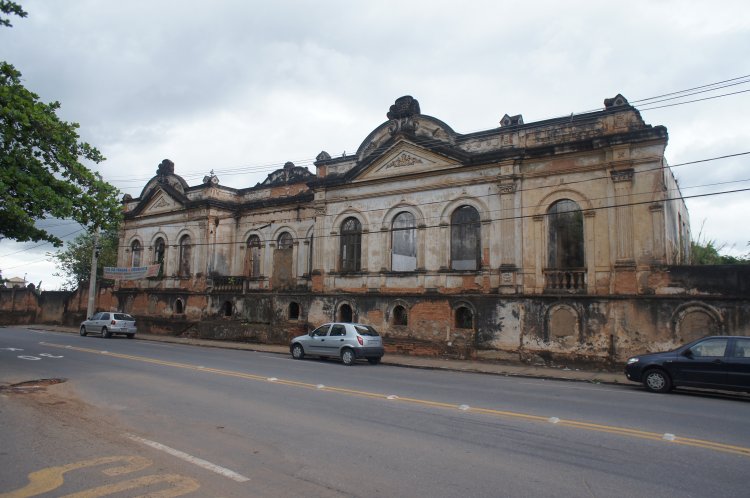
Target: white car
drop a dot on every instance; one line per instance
(348, 341)
(107, 323)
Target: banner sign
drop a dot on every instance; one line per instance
(131, 273)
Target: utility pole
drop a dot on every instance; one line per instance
(92, 278)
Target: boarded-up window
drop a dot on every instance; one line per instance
(351, 245)
(137, 251)
(465, 239)
(283, 263)
(565, 222)
(252, 256)
(186, 250)
(562, 325)
(404, 250)
(697, 323)
(159, 253)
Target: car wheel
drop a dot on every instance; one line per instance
(106, 333)
(657, 381)
(297, 352)
(130, 336)
(347, 356)
(83, 331)
(374, 361)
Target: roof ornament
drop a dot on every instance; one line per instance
(616, 101)
(511, 120)
(211, 179)
(166, 167)
(402, 113)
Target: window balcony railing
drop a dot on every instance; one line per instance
(229, 284)
(571, 280)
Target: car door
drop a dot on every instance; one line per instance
(334, 341)
(91, 323)
(103, 321)
(316, 342)
(738, 364)
(703, 364)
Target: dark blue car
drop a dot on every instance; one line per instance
(716, 362)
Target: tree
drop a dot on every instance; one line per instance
(74, 262)
(41, 174)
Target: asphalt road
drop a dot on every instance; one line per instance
(143, 418)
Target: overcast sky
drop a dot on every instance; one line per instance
(241, 87)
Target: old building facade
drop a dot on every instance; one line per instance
(543, 240)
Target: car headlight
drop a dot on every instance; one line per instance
(632, 360)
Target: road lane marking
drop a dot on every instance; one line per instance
(609, 429)
(190, 458)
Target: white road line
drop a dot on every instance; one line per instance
(190, 458)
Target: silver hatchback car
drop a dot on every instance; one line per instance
(107, 323)
(348, 341)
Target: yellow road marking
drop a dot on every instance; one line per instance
(610, 429)
(179, 485)
(45, 480)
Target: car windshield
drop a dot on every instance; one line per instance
(123, 316)
(366, 330)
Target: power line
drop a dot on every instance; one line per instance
(270, 167)
(568, 183)
(40, 244)
(506, 218)
(696, 100)
(694, 88)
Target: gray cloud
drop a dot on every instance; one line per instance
(232, 84)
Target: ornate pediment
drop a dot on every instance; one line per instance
(160, 203)
(405, 159)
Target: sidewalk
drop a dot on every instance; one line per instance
(485, 367)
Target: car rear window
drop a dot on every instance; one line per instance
(366, 330)
(123, 316)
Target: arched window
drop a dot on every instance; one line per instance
(252, 256)
(285, 241)
(466, 240)
(404, 243)
(400, 316)
(293, 311)
(345, 313)
(178, 307)
(137, 251)
(351, 245)
(185, 256)
(464, 318)
(565, 227)
(160, 250)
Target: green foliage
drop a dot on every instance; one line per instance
(41, 175)
(7, 7)
(74, 262)
(706, 253)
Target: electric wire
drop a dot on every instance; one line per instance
(270, 167)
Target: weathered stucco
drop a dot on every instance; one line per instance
(570, 253)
